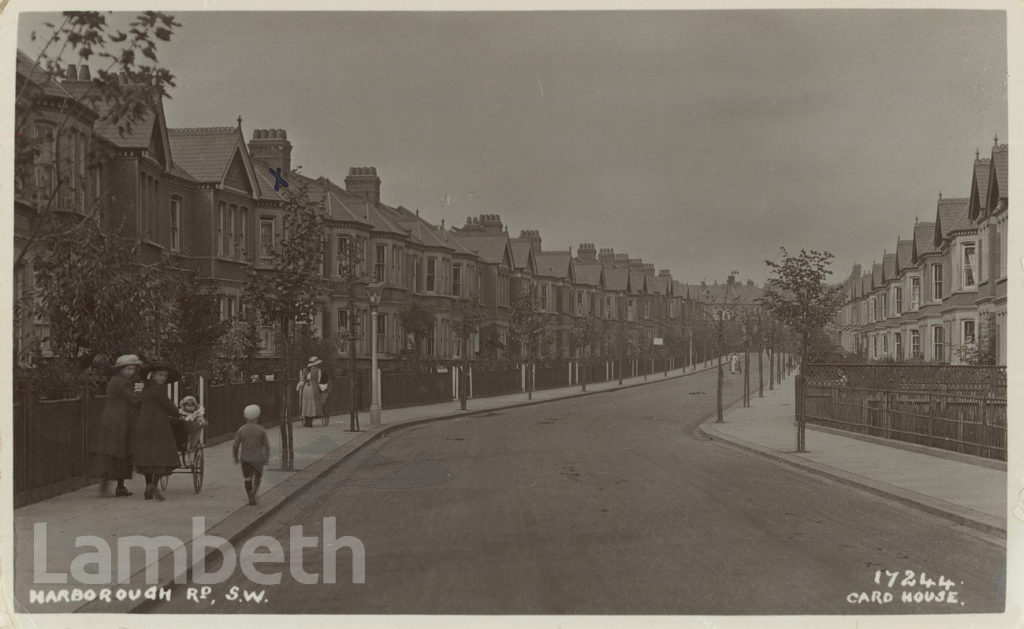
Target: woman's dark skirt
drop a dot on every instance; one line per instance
(111, 467)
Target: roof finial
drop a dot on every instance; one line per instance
(977, 153)
(940, 195)
(995, 140)
(442, 224)
(239, 121)
(417, 212)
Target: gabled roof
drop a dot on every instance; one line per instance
(492, 248)
(1000, 184)
(948, 215)
(735, 293)
(207, 153)
(904, 254)
(877, 277)
(616, 279)
(637, 282)
(554, 264)
(423, 233)
(979, 187)
(26, 67)
(589, 273)
(141, 131)
(659, 285)
(924, 239)
(889, 266)
(865, 284)
(522, 255)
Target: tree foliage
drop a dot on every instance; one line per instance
(417, 320)
(124, 90)
(526, 324)
(799, 295)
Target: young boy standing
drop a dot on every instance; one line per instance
(252, 449)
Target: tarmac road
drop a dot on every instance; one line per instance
(609, 504)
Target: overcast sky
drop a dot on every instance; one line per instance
(700, 141)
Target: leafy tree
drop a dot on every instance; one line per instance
(985, 348)
(288, 291)
(526, 328)
(799, 295)
(196, 331)
(238, 346)
(417, 320)
(468, 316)
(124, 90)
(97, 300)
(582, 335)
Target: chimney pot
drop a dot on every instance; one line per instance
(72, 73)
(83, 73)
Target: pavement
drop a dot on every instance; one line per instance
(973, 495)
(968, 490)
(222, 500)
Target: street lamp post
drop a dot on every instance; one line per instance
(374, 291)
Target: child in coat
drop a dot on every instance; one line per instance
(252, 450)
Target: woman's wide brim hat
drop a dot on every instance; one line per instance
(314, 361)
(127, 360)
(173, 375)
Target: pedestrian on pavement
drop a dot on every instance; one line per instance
(155, 449)
(111, 446)
(325, 386)
(310, 406)
(252, 450)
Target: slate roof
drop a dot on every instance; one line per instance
(616, 279)
(33, 72)
(489, 246)
(553, 263)
(204, 151)
(865, 284)
(1001, 167)
(889, 266)
(877, 277)
(141, 130)
(948, 216)
(904, 253)
(658, 285)
(636, 281)
(981, 172)
(266, 182)
(520, 253)
(739, 293)
(924, 238)
(588, 273)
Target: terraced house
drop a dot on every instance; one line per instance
(940, 296)
(206, 197)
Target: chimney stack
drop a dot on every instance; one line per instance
(607, 257)
(533, 237)
(586, 252)
(271, 146)
(362, 181)
(490, 223)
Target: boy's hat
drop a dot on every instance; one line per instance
(188, 398)
(127, 360)
(314, 361)
(252, 411)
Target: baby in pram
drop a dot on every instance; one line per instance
(192, 418)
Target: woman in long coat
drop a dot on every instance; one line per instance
(154, 448)
(112, 440)
(309, 392)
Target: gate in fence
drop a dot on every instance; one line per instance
(956, 408)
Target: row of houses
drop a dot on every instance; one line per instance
(213, 202)
(940, 295)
